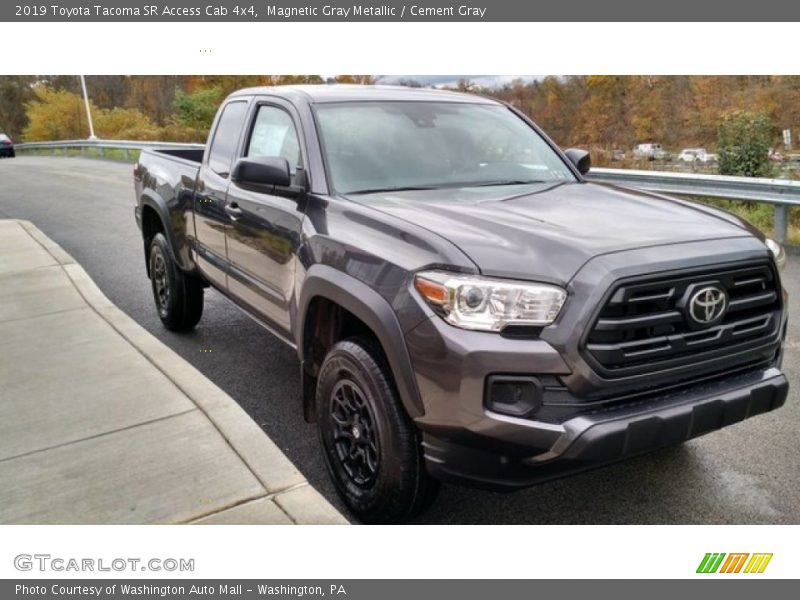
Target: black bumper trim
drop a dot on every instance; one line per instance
(589, 442)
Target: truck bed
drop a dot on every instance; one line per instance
(170, 175)
(193, 155)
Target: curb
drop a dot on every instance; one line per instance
(280, 478)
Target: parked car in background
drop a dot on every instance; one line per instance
(6, 146)
(650, 152)
(777, 156)
(693, 155)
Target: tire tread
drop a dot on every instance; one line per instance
(414, 490)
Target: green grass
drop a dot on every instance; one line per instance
(760, 214)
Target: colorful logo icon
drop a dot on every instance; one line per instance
(719, 562)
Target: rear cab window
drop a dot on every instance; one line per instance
(226, 137)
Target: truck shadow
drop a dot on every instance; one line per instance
(624, 493)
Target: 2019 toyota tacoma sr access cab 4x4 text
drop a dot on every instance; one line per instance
(465, 306)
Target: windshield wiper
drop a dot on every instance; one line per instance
(506, 182)
(405, 188)
(411, 188)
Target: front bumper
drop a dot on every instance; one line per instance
(604, 437)
(584, 420)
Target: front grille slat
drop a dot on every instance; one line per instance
(625, 323)
(652, 297)
(751, 281)
(644, 327)
(753, 325)
(762, 299)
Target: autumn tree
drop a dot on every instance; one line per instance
(15, 93)
(599, 112)
(55, 115)
(357, 79)
(294, 79)
(61, 115)
(109, 91)
(155, 95)
(125, 124)
(653, 108)
(556, 104)
(602, 120)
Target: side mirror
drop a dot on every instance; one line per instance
(579, 158)
(262, 171)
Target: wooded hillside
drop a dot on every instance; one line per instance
(598, 112)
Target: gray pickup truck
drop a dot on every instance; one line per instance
(465, 306)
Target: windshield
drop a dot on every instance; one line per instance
(381, 146)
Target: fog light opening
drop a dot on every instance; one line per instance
(513, 395)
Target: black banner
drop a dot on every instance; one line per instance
(713, 586)
(394, 10)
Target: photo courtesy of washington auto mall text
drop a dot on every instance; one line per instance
(77, 591)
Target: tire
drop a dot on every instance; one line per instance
(371, 447)
(178, 296)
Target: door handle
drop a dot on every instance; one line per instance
(233, 210)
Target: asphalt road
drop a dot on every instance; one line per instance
(747, 473)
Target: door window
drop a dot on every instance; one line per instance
(274, 134)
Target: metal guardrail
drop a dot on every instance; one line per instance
(782, 193)
(102, 145)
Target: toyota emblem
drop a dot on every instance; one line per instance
(707, 305)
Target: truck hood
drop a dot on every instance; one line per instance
(549, 231)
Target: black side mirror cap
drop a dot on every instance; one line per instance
(579, 158)
(262, 171)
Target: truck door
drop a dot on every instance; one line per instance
(211, 219)
(263, 238)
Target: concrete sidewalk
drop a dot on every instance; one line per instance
(102, 423)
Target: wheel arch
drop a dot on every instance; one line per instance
(326, 284)
(155, 219)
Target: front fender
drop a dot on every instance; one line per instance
(371, 308)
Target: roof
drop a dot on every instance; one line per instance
(337, 92)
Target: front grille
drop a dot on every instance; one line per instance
(644, 324)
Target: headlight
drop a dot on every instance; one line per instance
(777, 252)
(486, 304)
